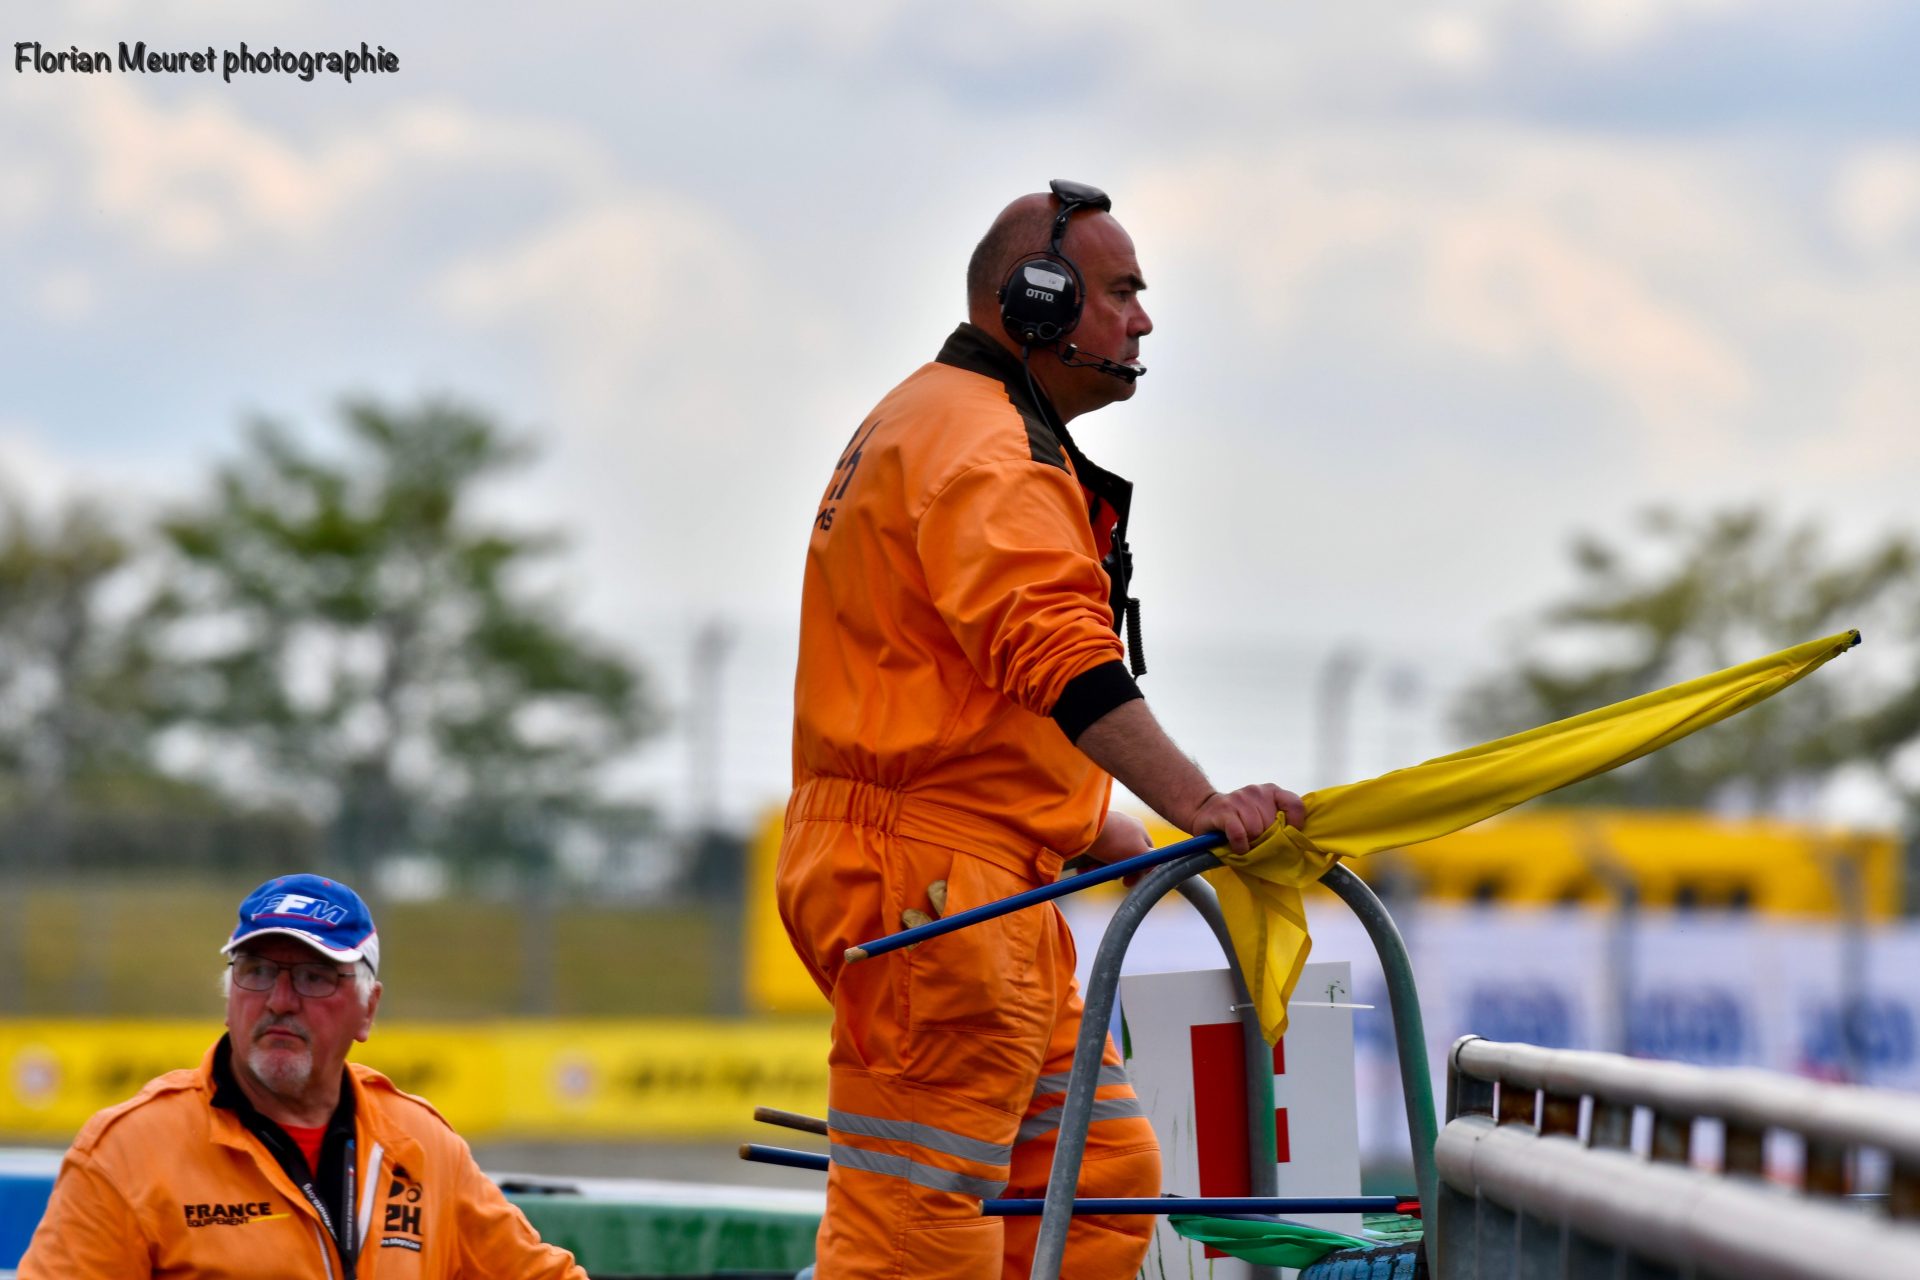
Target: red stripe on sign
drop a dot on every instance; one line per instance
(1220, 1108)
(1281, 1147)
(1220, 1111)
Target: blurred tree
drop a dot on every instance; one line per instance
(347, 632)
(1689, 596)
(70, 670)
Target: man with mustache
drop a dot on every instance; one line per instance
(275, 1157)
(962, 706)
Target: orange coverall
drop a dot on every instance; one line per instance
(169, 1184)
(956, 634)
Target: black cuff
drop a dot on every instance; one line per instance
(1092, 694)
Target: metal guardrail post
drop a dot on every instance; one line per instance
(1263, 1157)
(1542, 1200)
(1103, 982)
(1262, 1154)
(1409, 1037)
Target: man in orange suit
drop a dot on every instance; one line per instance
(275, 1156)
(962, 705)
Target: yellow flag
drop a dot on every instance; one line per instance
(1260, 889)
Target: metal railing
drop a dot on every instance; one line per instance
(1572, 1164)
(1103, 982)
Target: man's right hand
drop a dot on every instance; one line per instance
(1242, 815)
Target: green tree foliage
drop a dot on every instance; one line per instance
(70, 673)
(1686, 596)
(63, 665)
(78, 783)
(345, 630)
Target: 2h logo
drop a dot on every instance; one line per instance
(401, 1227)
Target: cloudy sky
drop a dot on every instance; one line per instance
(1435, 286)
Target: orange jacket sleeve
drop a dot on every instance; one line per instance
(1011, 567)
(89, 1230)
(496, 1240)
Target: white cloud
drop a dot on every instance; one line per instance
(30, 472)
(1516, 248)
(1614, 25)
(1457, 43)
(604, 286)
(36, 471)
(199, 179)
(1876, 199)
(25, 196)
(1515, 287)
(65, 295)
(672, 355)
(193, 179)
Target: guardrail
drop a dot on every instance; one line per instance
(1571, 1164)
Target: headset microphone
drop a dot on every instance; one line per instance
(1073, 357)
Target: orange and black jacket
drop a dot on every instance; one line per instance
(958, 620)
(187, 1180)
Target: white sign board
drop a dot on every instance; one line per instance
(1188, 1067)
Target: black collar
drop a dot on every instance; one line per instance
(973, 349)
(970, 348)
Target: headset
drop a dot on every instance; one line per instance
(1041, 300)
(1039, 305)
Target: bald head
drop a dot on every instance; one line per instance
(1112, 320)
(1021, 230)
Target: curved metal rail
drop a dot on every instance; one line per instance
(1524, 1189)
(1103, 982)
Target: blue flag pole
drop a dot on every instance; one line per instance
(1134, 1204)
(1212, 1205)
(1033, 897)
(783, 1155)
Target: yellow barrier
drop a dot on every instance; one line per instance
(776, 981)
(613, 1079)
(1537, 857)
(1547, 856)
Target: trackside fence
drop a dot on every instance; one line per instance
(1578, 1165)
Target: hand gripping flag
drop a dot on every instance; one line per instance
(1260, 889)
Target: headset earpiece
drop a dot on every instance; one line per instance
(1040, 302)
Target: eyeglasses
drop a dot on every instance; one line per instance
(310, 981)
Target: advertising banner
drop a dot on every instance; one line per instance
(612, 1079)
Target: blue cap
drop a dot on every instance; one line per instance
(324, 914)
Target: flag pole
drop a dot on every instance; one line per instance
(1144, 1205)
(1033, 897)
(1406, 1206)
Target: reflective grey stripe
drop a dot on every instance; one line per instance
(920, 1175)
(1058, 1084)
(1103, 1109)
(921, 1135)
